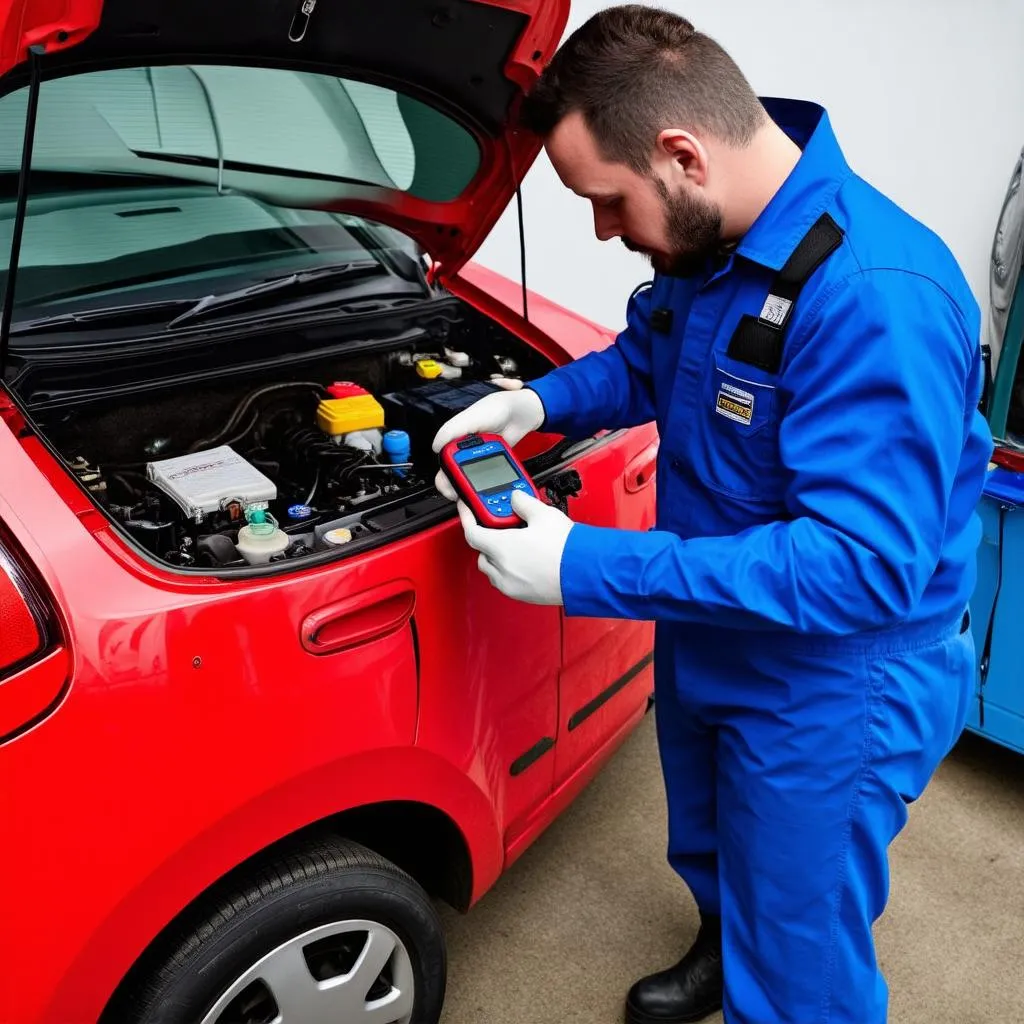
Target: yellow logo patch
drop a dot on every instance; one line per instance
(735, 404)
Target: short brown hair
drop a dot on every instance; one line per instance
(632, 71)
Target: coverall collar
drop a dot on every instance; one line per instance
(808, 190)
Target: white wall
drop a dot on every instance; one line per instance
(926, 97)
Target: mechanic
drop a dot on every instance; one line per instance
(811, 356)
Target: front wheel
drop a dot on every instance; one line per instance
(331, 934)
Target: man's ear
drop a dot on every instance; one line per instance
(684, 152)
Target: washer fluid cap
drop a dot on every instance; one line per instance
(257, 518)
(337, 537)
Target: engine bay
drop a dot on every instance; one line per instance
(263, 465)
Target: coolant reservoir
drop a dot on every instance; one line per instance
(350, 415)
(260, 539)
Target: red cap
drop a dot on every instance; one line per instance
(345, 389)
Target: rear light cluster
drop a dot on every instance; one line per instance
(24, 617)
(1009, 458)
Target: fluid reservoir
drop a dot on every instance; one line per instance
(351, 416)
(397, 448)
(260, 538)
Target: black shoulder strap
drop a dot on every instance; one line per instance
(758, 340)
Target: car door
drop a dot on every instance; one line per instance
(489, 670)
(606, 675)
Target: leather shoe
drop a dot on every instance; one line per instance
(690, 991)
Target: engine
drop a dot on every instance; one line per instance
(298, 467)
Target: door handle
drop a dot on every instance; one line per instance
(361, 619)
(641, 469)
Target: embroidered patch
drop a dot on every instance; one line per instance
(735, 404)
(775, 310)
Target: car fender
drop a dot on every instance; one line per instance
(405, 774)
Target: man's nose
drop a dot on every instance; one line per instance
(605, 226)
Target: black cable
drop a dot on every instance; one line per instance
(243, 407)
(522, 250)
(522, 227)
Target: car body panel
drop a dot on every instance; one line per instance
(52, 24)
(203, 730)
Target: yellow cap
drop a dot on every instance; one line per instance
(428, 368)
(338, 536)
(345, 415)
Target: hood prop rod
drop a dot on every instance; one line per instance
(522, 229)
(34, 53)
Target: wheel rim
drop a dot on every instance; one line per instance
(347, 972)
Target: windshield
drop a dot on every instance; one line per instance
(176, 182)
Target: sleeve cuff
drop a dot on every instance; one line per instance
(589, 580)
(556, 398)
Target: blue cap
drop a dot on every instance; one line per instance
(396, 442)
(397, 448)
(299, 511)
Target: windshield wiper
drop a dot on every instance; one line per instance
(290, 282)
(139, 311)
(145, 312)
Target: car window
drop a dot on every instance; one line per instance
(185, 173)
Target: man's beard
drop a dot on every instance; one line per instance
(694, 229)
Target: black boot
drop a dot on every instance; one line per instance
(690, 991)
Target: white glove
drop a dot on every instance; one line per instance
(525, 563)
(512, 413)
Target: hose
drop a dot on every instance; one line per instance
(243, 407)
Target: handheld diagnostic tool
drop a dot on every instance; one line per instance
(484, 472)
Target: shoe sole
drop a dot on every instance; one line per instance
(635, 1016)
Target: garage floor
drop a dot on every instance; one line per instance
(593, 904)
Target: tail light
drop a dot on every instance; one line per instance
(25, 622)
(1009, 458)
(34, 662)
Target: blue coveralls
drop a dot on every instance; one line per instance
(809, 572)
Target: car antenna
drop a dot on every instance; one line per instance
(34, 53)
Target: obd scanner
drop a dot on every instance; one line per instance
(485, 474)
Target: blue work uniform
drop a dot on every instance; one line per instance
(809, 573)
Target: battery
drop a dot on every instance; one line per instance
(422, 410)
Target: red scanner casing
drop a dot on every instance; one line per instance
(491, 509)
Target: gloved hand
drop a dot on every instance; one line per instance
(512, 413)
(526, 563)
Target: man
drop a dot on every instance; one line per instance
(810, 354)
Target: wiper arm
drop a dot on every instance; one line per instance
(140, 311)
(290, 282)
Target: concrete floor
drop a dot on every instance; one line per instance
(593, 905)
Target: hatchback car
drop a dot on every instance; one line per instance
(259, 709)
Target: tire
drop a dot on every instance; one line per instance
(333, 908)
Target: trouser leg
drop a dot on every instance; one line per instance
(814, 776)
(687, 751)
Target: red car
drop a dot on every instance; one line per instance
(258, 706)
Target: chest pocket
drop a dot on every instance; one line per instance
(738, 447)
(739, 432)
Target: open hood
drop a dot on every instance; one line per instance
(464, 63)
